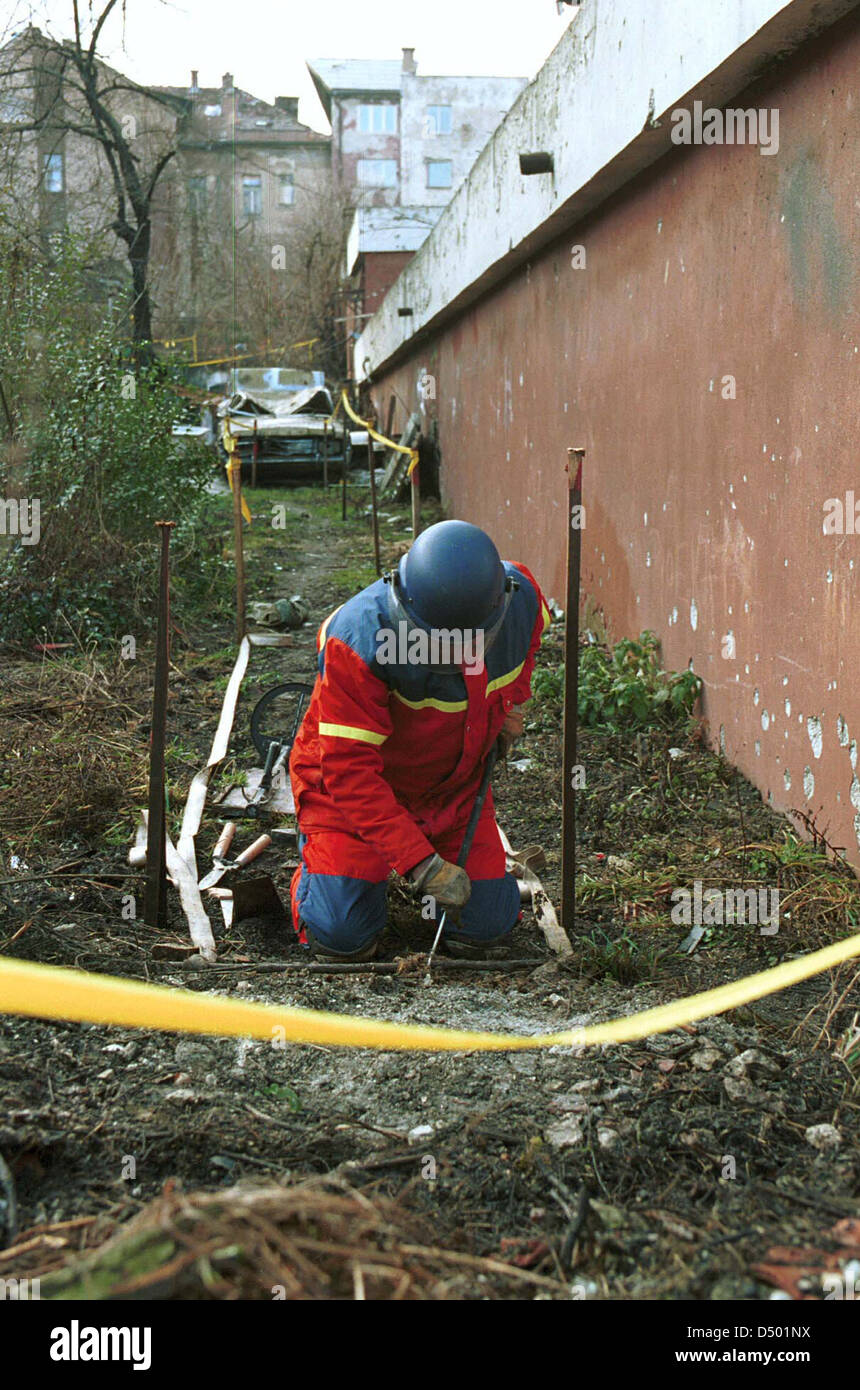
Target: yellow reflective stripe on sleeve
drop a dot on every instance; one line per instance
(445, 706)
(504, 680)
(324, 628)
(351, 731)
(547, 618)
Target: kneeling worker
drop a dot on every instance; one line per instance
(419, 675)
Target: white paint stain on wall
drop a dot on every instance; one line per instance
(694, 615)
(813, 728)
(808, 783)
(842, 731)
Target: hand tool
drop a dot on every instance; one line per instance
(224, 841)
(229, 866)
(467, 840)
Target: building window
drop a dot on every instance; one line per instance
(378, 173)
(197, 187)
(53, 173)
(252, 195)
(378, 119)
(439, 173)
(288, 191)
(438, 120)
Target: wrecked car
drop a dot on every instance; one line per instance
(278, 416)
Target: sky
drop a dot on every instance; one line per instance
(265, 43)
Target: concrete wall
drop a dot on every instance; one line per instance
(707, 358)
(350, 144)
(478, 105)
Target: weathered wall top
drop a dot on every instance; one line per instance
(600, 105)
(388, 229)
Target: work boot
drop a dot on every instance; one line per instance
(324, 953)
(497, 949)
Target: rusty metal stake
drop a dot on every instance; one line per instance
(374, 515)
(416, 501)
(238, 544)
(155, 894)
(325, 455)
(575, 458)
(343, 470)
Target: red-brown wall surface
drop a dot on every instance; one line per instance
(704, 513)
(381, 269)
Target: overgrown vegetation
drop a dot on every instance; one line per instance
(89, 462)
(625, 687)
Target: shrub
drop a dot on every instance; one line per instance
(94, 444)
(625, 687)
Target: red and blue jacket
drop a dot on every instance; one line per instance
(393, 754)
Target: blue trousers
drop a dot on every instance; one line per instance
(346, 914)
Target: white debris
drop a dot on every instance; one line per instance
(619, 864)
(565, 1134)
(691, 940)
(706, 1057)
(752, 1062)
(823, 1137)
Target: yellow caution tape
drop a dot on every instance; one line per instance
(389, 443)
(233, 465)
(243, 356)
(48, 991)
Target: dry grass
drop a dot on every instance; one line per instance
(73, 756)
(320, 1239)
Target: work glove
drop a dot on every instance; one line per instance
(512, 729)
(447, 883)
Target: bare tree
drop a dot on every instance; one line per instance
(73, 91)
(264, 289)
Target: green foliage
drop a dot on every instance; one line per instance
(625, 687)
(280, 1091)
(93, 443)
(626, 959)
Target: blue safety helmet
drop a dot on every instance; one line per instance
(452, 577)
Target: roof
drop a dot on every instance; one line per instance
(389, 229)
(249, 111)
(332, 75)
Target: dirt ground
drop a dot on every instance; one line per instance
(666, 1169)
